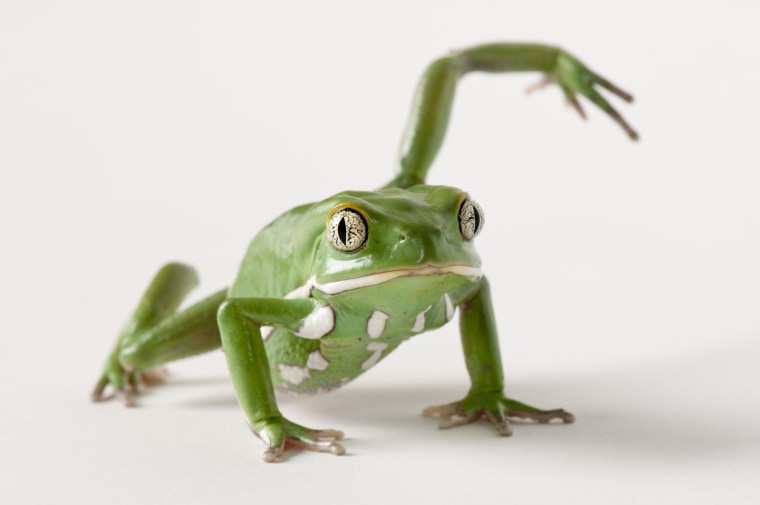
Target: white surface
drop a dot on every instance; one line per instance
(626, 276)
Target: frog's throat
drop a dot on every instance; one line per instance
(340, 286)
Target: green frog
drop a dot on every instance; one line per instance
(329, 289)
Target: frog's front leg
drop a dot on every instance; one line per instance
(486, 396)
(240, 321)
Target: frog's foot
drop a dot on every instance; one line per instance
(280, 434)
(574, 78)
(496, 409)
(125, 384)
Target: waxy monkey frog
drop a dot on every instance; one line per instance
(329, 289)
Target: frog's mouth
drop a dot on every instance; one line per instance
(340, 286)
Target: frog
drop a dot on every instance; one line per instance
(329, 289)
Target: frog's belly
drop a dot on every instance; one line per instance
(362, 335)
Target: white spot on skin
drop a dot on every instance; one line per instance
(419, 323)
(376, 324)
(318, 324)
(377, 348)
(266, 332)
(316, 361)
(303, 291)
(293, 374)
(296, 374)
(450, 309)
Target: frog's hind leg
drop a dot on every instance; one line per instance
(156, 333)
(434, 97)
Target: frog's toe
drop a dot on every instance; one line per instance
(271, 454)
(457, 420)
(499, 422)
(128, 393)
(327, 434)
(125, 392)
(544, 416)
(442, 411)
(320, 441)
(100, 388)
(108, 386)
(451, 415)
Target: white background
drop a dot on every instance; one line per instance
(625, 275)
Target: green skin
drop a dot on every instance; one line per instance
(308, 314)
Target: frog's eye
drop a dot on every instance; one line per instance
(471, 219)
(347, 230)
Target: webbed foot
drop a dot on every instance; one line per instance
(280, 434)
(496, 409)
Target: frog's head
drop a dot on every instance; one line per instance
(372, 237)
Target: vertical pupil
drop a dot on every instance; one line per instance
(342, 231)
(477, 217)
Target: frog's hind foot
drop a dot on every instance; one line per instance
(126, 385)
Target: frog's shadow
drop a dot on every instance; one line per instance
(638, 406)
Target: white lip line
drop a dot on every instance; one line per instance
(335, 287)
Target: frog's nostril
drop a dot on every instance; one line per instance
(401, 237)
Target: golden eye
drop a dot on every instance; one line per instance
(347, 230)
(471, 219)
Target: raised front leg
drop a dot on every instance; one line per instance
(486, 396)
(429, 117)
(156, 334)
(240, 320)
